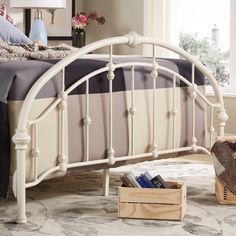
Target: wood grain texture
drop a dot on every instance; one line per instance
(223, 195)
(230, 138)
(151, 211)
(153, 203)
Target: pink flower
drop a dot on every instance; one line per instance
(79, 21)
(101, 20)
(82, 19)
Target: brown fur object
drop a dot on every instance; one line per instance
(224, 159)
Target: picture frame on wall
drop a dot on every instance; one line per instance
(15, 13)
(59, 27)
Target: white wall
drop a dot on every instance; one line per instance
(146, 17)
(121, 16)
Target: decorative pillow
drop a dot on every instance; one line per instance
(10, 34)
(4, 14)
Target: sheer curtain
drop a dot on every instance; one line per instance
(232, 88)
(160, 22)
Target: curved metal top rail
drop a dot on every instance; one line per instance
(132, 39)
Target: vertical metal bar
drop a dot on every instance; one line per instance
(63, 80)
(87, 121)
(21, 140)
(193, 96)
(62, 106)
(212, 129)
(174, 111)
(110, 77)
(110, 114)
(132, 112)
(62, 112)
(20, 187)
(154, 77)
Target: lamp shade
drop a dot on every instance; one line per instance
(38, 3)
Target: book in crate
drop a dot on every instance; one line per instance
(143, 181)
(153, 203)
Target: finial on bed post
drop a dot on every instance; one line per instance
(221, 117)
(21, 139)
(134, 39)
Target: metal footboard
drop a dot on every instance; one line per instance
(22, 138)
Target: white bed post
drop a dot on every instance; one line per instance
(221, 117)
(106, 178)
(21, 140)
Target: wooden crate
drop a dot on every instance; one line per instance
(230, 138)
(153, 203)
(223, 195)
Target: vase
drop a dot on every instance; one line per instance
(78, 38)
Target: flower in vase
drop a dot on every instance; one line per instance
(82, 19)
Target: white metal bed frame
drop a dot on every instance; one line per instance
(22, 137)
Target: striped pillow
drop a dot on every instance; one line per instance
(4, 14)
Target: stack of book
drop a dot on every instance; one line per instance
(143, 181)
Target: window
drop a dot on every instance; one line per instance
(203, 29)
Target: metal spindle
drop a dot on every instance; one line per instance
(193, 96)
(154, 75)
(212, 129)
(87, 122)
(174, 110)
(110, 76)
(62, 107)
(132, 111)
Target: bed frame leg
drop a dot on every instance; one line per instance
(106, 179)
(20, 139)
(20, 188)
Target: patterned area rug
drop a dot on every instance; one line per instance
(73, 205)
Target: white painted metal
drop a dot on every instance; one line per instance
(193, 95)
(132, 111)
(21, 137)
(106, 182)
(45, 112)
(154, 75)
(35, 149)
(14, 179)
(174, 110)
(211, 129)
(62, 159)
(87, 122)
(110, 76)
